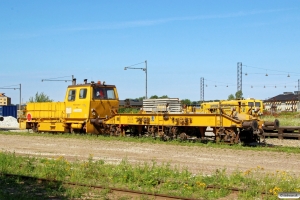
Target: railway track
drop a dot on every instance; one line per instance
(123, 191)
(283, 132)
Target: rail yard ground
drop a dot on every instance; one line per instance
(199, 160)
(201, 171)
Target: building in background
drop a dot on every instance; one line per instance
(288, 101)
(4, 100)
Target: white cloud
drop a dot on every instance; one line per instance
(140, 23)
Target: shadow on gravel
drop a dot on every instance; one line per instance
(15, 187)
(256, 144)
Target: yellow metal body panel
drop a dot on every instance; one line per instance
(192, 120)
(51, 126)
(241, 106)
(78, 105)
(48, 115)
(90, 128)
(46, 110)
(103, 106)
(22, 124)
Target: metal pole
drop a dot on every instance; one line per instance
(239, 77)
(298, 107)
(144, 69)
(20, 98)
(202, 90)
(146, 79)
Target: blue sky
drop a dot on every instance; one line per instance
(182, 41)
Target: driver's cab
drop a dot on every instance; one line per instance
(91, 100)
(106, 92)
(104, 99)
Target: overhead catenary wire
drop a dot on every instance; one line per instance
(246, 74)
(9, 87)
(289, 84)
(57, 79)
(286, 72)
(136, 64)
(276, 85)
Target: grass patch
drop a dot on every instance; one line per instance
(285, 118)
(128, 110)
(147, 177)
(14, 187)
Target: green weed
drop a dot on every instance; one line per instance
(148, 177)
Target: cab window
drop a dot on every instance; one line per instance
(110, 93)
(257, 104)
(104, 93)
(99, 93)
(250, 104)
(82, 93)
(71, 95)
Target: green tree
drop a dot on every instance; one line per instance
(154, 97)
(195, 103)
(186, 102)
(140, 98)
(40, 98)
(164, 97)
(231, 97)
(239, 94)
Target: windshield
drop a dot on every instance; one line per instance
(104, 93)
(257, 104)
(250, 104)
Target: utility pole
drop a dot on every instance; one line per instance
(201, 90)
(144, 69)
(146, 79)
(20, 97)
(298, 107)
(239, 77)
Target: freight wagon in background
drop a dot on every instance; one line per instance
(6, 111)
(130, 103)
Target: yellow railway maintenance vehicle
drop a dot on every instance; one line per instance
(84, 107)
(92, 108)
(238, 107)
(249, 106)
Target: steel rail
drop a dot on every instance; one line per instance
(233, 189)
(99, 187)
